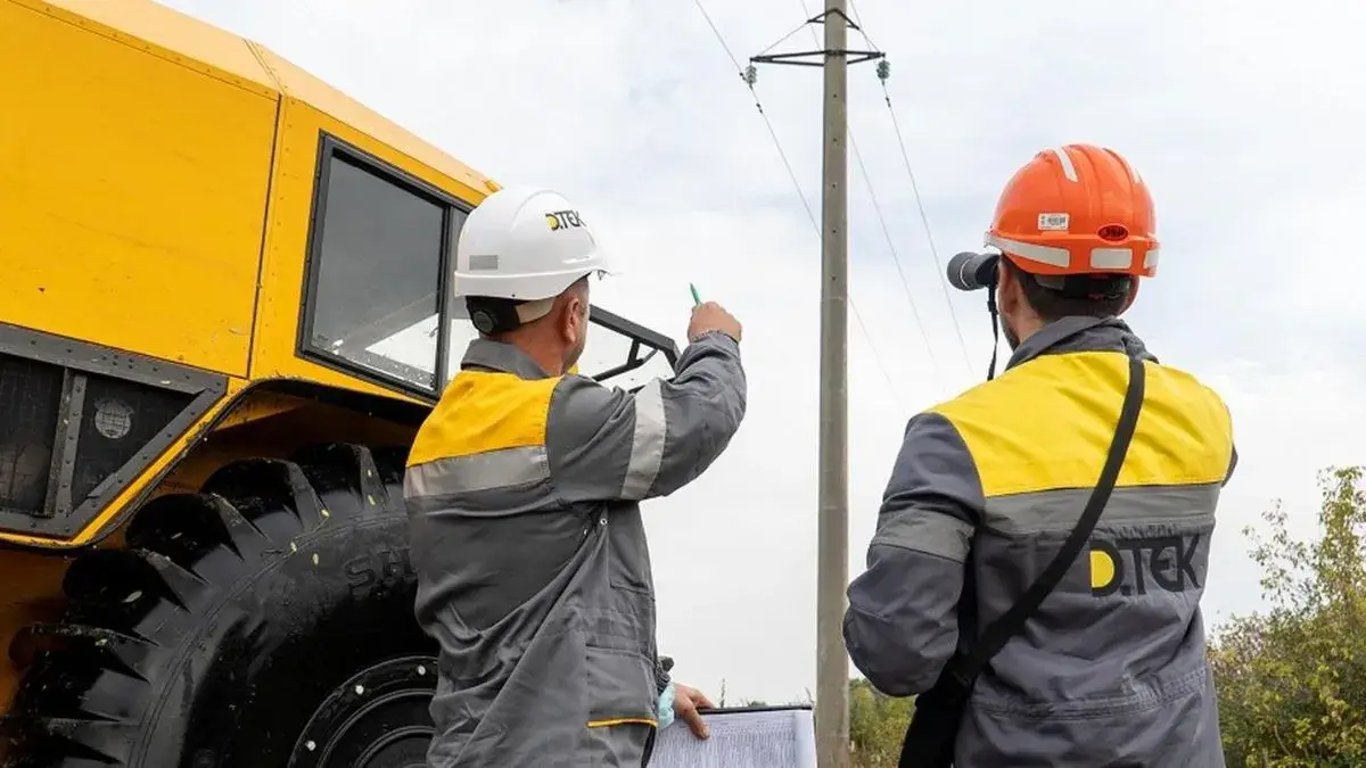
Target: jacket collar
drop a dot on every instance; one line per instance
(1081, 334)
(490, 355)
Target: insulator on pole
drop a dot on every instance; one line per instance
(884, 70)
(750, 75)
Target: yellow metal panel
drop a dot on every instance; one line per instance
(169, 34)
(183, 39)
(132, 195)
(422, 159)
(279, 315)
(259, 406)
(139, 484)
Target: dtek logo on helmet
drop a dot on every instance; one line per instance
(557, 220)
(1161, 562)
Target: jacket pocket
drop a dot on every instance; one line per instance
(621, 688)
(1177, 730)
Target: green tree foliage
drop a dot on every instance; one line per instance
(1292, 680)
(877, 723)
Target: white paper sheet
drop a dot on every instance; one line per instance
(764, 739)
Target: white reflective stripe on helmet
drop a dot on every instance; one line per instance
(1068, 170)
(1045, 254)
(1150, 259)
(1112, 258)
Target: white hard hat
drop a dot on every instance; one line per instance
(524, 244)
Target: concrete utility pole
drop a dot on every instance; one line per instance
(832, 662)
(832, 568)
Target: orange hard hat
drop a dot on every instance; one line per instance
(1077, 210)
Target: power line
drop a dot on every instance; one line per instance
(915, 189)
(806, 14)
(858, 19)
(719, 38)
(801, 195)
(759, 106)
(791, 174)
(896, 260)
(882, 221)
(805, 23)
(925, 219)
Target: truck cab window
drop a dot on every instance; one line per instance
(377, 273)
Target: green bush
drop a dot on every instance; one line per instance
(877, 723)
(1292, 681)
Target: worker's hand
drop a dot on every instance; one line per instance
(710, 317)
(688, 700)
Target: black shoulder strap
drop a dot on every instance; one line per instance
(938, 712)
(995, 636)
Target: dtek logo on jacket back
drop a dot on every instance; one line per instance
(984, 491)
(1153, 562)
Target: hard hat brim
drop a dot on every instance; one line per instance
(532, 288)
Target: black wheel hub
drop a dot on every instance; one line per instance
(377, 719)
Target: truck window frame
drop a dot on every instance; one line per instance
(452, 208)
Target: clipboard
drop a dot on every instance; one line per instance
(742, 737)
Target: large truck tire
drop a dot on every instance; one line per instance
(266, 621)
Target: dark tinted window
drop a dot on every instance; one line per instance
(30, 400)
(378, 270)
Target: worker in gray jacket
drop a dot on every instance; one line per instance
(1110, 668)
(523, 487)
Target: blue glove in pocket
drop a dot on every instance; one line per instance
(666, 706)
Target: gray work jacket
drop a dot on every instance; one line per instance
(1111, 669)
(533, 568)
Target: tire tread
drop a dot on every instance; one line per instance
(129, 609)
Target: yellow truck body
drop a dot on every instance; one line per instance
(209, 256)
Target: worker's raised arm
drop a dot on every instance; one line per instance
(607, 444)
(902, 622)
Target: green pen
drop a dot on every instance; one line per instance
(696, 300)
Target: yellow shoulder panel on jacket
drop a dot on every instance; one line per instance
(482, 411)
(1048, 424)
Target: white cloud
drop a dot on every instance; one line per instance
(1288, 426)
(1245, 121)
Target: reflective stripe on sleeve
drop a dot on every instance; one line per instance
(647, 442)
(507, 468)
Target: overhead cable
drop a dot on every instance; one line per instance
(893, 390)
(882, 221)
(915, 190)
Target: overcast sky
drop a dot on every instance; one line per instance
(1245, 121)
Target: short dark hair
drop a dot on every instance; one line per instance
(1087, 295)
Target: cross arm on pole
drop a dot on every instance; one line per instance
(820, 18)
(816, 58)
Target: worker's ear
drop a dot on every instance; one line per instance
(1008, 291)
(574, 320)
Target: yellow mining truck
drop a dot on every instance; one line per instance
(223, 314)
